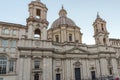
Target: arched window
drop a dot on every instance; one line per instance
(3, 65)
(37, 34)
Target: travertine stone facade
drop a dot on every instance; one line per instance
(33, 52)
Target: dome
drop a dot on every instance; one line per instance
(63, 19)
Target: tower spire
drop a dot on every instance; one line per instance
(98, 16)
(62, 6)
(38, 0)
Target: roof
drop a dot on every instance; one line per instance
(63, 19)
(12, 24)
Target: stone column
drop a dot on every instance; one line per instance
(47, 68)
(88, 68)
(24, 69)
(103, 67)
(27, 68)
(115, 69)
(30, 31)
(98, 73)
(84, 69)
(63, 34)
(72, 69)
(63, 70)
(20, 71)
(68, 69)
(44, 34)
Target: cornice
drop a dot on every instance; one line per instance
(37, 20)
(2, 37)
(12, 24)
(35, 49)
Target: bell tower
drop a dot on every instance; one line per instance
(101, 34)
(37, 21)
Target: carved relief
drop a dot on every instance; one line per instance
(77, 64)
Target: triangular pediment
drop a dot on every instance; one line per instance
(77, 50)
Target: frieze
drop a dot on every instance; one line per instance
(25, 56)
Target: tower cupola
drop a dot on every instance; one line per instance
(100, 31)
(62, 12)
(37, 21)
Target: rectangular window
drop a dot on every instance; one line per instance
(11, 66)
(93, 75)
(4, 43)
(36, 76)
(14, 32)
(38, 12)
(70, 37)
(57, 76)
(3, 65)
(1, 78)
(13, 43)
(6, 31)
(110, 71)
(57, 38)
(36, 64)
(13, 50)
(77, 74)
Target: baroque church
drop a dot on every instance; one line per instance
(34, 52)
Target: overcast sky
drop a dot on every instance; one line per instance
(82, 12)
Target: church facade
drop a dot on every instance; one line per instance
(33, 52)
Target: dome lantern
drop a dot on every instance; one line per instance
(62, 12)
(63, 19)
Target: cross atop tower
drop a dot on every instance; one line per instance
(62, 6)
(98, 16)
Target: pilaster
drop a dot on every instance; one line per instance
(115, 69)
(24, 69)
(47, 68)
(103, 67)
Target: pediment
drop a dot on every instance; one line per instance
(77, 50)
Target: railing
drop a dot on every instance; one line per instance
(115, 42)
(102, 78)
